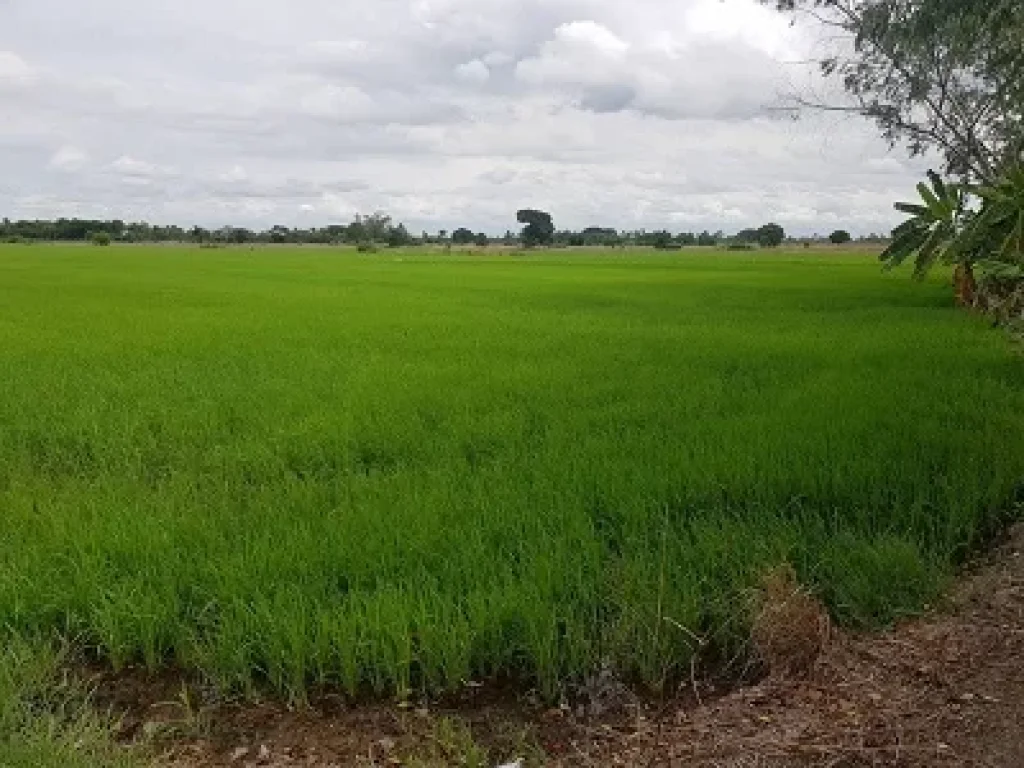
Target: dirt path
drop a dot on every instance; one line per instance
(944, 691)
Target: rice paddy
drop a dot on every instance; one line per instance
(398, 472)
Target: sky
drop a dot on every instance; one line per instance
(443, 113)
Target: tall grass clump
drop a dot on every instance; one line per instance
(45, 718)
(307, 469)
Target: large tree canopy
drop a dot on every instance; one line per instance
(539, 229)
(942, 74)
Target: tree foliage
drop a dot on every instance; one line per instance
(399, 237)
(933, 74)
(932, 228)
(995, 234)
(839, 237)
(539, 229)
(463, 236)
(770, 235)
(944, 228)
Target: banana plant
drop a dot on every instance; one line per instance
(935, 223)
(995, 235)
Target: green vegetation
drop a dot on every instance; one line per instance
(539, 229)
(309, 466)
(944, 228)
(943, 75)
(45, 720)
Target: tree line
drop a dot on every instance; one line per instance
(379, 229)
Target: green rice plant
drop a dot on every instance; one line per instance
(310, 468)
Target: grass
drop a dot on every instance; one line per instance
(397, 472)
(46, 720)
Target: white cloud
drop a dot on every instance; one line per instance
(129, 166)
(737, 21)
(444, 112)
(495, 59)
(15, 72)
(590, 34)
(235, 174)
(343, 102)
(474, 71)
(69, 158)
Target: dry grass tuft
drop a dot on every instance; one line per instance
(791, 627)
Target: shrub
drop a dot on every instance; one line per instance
(100, 238)
(366, 248)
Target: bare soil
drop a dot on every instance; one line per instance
(945, 690)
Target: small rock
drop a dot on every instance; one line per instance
(264, 752)
(239, 753)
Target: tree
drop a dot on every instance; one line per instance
(100, 238)
(399, 237)
(374, 228)
(933, 74)
(839, 237)
(539, 229)
(482, 240)
(996, 231)
(463, 236)
(943, 229)
(356, 232)
(771, 235)
(930, 233)
(662, 240)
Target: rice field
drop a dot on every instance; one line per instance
(398, 472)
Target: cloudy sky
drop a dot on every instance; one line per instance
(444, 113)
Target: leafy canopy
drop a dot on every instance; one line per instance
(933, 74)
(539, 229)
(932, 228)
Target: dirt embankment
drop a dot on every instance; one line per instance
(947, 690)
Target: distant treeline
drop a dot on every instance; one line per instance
(375, 228)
